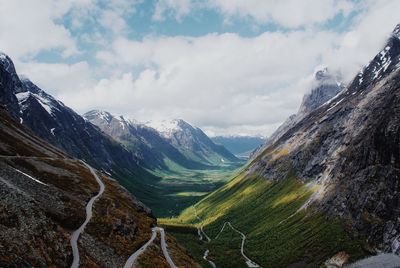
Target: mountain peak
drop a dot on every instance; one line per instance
(7, 63)
(168, 127)
(325, 86)
(103, 115)
(321, 74)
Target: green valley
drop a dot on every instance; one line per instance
(278, 234)
(180, 188)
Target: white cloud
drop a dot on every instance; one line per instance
(286, 13)
(112, 20)
(176, 8)
(113, 15)
(28, 26)
(59, 78)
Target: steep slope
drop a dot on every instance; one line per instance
(59, 125)
(156, 152)
(328, 184)
(239, 145)
(43, 197)
(192, 142)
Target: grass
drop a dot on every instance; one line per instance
(267, 211)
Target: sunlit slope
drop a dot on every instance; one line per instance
(278, 234)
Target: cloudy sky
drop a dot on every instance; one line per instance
(228, 66)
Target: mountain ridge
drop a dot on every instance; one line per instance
(177, 140)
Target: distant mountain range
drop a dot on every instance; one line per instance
(162, 145)
(241, 146)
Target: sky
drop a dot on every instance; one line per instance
(230, 67)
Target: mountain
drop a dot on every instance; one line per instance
(326, 191)
(163, 144)
(59, 125)
(324, 87)
(192, 142)
(43, 197)
(239, 145)
(155, 151)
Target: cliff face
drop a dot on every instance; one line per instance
(348, 149)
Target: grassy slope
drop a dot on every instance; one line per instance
(265, 211)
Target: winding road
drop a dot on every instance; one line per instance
(249, 262)
(89, 213)
(210, 262)
(200, 231)
(131, 261)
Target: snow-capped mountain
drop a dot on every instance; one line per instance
(154, 149)
(167, 127)
(157, 141)
(192, 141)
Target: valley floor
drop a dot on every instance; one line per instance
(182, 188)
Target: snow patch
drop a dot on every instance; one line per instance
(165, 127)
(21, 97)
(52, 131)
(46, 103)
